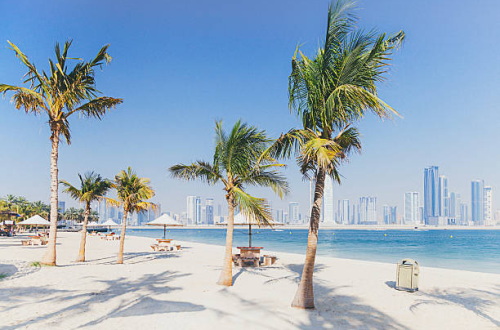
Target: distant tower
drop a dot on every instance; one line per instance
(193, 210)
(431, 193)
(293, 212)
(488, 207)
(209, 211)
(328, 202)
(443, 196)
(411, 205)
(477, 202)
(344, 212)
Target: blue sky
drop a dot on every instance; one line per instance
(179, 65)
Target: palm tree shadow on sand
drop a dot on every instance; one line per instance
(132, 301)
(333, 309)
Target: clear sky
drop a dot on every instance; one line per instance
(179, 65)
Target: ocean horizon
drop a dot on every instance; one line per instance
(471, 250)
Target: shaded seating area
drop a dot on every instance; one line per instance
(165, 245)
(249, 256)
(110, 237)
(35, 240)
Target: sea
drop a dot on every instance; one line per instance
(472, 250)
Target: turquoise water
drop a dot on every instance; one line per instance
(474, 250)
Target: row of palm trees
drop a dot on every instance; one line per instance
(132, 195)
(330, 92)
(26, 209)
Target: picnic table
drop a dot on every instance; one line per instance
(249, 255)
(165, 244)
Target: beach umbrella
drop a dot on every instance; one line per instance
(165, 220)
(109, 223)
(93, 224)
(241, 220)
(35, 220)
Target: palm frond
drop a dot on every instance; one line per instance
(257, 210)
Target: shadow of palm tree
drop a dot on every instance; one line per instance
(474, 300)
(140, 303)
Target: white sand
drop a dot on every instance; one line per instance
(177, 290)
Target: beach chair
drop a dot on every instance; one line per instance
(26, 242)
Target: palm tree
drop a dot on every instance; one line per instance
(235, 165)
(329, 92)
(132, 194)
(59, 95)
(92, 188)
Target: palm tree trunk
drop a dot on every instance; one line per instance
(304, 297)
(50, 255)
(226, 276)
(122, 238)
(81, 254)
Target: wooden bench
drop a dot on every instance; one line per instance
(248, 261)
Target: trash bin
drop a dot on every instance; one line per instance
(407, 273)
(268, 260)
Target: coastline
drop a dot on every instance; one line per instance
(152, 290)
(340, 227)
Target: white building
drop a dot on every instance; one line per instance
(343, 211)
(488, 206)
(193, 210)
(368, 211)
(411, 208)
(328, 202)
(293, 213)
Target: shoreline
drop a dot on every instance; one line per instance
(357, 227)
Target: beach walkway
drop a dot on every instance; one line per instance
(177, 290)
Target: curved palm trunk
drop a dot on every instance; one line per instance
(226, 276)
(81, 254)
(304, 297)
(122, 239)
(50, 255)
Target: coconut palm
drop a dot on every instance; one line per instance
(235, 165)
(132, 195)
(92, 188)
(59, 94)
(329, 92)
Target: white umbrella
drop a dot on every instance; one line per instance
(109, 223)
(92, 224)
(165, 220)
(35, 221)
(242, 220)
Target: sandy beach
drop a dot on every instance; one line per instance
(177, 290)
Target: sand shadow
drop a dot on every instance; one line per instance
(132, 301)
(476, 301)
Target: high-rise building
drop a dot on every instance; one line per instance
(390, 215)
(194, 210)
(443, 196)
(368, 211)
(488, 206)
(431, 194)
(279, 216)
(293, 213)
(394, 215)
(412, 207)
(464, 214)
(387, 213)
(328, 201)
(343, 211)
(354, 215)
(61, 206)
(477, 202)
(209, 211)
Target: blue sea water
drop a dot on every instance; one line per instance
(474, 250)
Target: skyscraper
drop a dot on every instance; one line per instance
(477, 202)
(61, 206)
(387, 214)
(368, 211)
(343, 211)
(328, 202)
(293, 212)
(464, 214)
(193, 210)
(431, 194)
(488, 207)
(443, 196)
(209, 211)
(411, 205)
(279, 216)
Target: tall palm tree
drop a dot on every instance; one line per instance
(329, 92)
(132, 194)
(235, 165)
(60, 94)
(92, 188)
